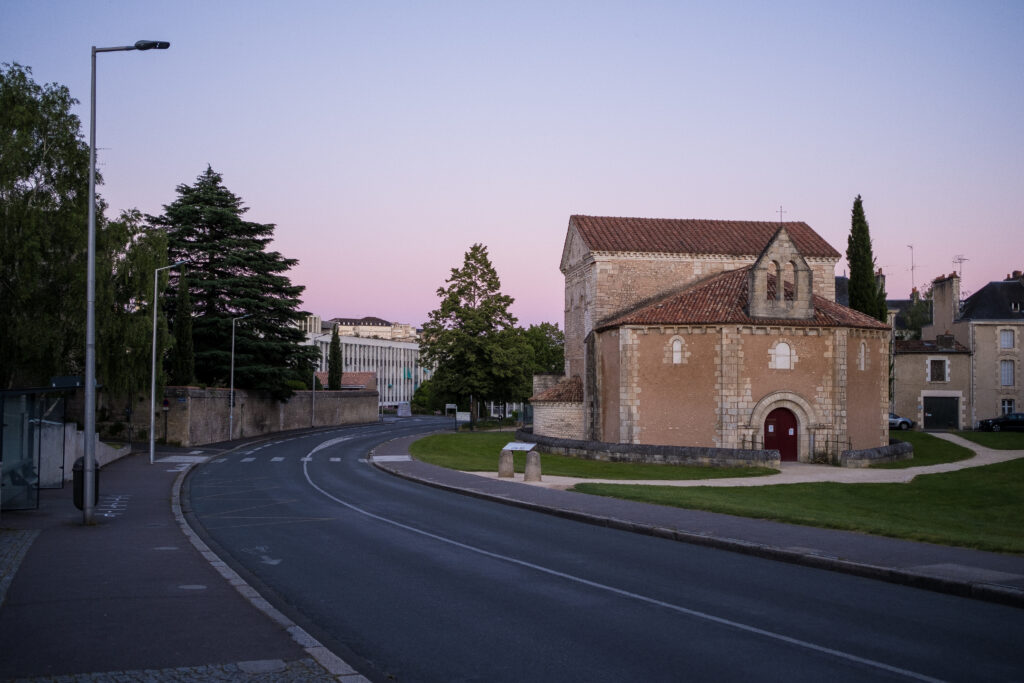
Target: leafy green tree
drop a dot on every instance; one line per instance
(183, 359)
(866, 292)
(468, 337)
(920, 312)
(232, 274)
(127, 256)
(548, 344)
(44, 192)
(334, 361)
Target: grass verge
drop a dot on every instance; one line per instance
(1003, 441)
(978, 507)
(478, 452)
(928, 450)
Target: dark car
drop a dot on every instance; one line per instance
(1009, 422)
(897, 422)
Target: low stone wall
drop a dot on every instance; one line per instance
(898, 450)
(200, 416)
(646, 453)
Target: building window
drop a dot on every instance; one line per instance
(862, 356)
(1007, 406)
(1006, 373)
(938, 370)
(1006, 339)
(783, 356)
(677, 351)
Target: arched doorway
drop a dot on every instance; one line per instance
(781, 433)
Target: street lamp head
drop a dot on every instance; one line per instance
(152, 45)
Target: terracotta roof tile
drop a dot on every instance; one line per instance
(928, 346)
(351, 379)
(566, 391)
(722, 299)
(694, 236)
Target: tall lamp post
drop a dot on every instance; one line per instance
(231, 394)
(89, 469)
(152, 376)
(312, 405)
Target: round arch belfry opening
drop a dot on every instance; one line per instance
(795, 404)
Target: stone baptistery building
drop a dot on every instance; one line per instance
(715, 334)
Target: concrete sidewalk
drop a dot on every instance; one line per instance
(137, 596)
(960, 571)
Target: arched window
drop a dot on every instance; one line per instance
(775, 271)
(862, 356)
(677, 351)
(783, 356)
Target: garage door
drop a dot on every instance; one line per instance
(941, 412)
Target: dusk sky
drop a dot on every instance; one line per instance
(385, 138)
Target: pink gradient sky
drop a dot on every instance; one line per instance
(383, 139)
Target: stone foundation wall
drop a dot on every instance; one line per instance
(646, 453)
(901, 450)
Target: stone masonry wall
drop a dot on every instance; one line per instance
(201, 416)
(561, 419)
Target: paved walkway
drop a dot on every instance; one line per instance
(137, 596)
(803, 473)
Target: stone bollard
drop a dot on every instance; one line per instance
(532, 466)
(505, 468)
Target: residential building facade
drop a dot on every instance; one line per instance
(932, 382)
(990, 324)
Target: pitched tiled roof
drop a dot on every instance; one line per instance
(722, 299)
(928, 346)
(566, 391)
(996, 301)
(693, 236)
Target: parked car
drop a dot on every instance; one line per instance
(897, 422)
(1010, 421)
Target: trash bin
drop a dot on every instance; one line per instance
(78, 482)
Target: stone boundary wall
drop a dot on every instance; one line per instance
(646, 453)
(899, 450)
(200, 416)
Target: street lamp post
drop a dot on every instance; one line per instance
(312, 409)
(231, 393)
(89, 469)
(152, 377)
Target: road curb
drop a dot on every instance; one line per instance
(331, 662)
(1004, 595)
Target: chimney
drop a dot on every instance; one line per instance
(1017, 275)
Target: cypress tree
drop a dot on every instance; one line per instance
(866, 293)
(334, 362)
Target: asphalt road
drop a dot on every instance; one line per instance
(410, 583)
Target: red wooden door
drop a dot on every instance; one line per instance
(780, 432)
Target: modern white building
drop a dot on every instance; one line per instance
(396, 363)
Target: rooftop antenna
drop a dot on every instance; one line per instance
(780, 212)
(958, 263)
(913, 280)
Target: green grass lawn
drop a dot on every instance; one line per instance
(979, 507)
(1013, 441)
(928, 450)
(478, 452)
